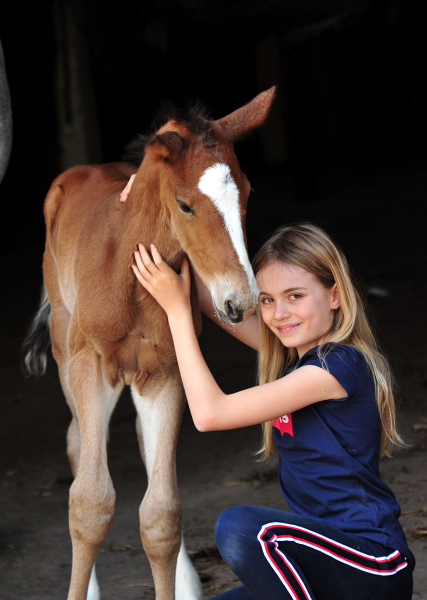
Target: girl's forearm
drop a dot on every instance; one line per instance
(203, 393)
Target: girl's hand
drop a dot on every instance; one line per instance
(125, 192)
(171, 290)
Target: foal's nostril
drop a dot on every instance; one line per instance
(234, 313)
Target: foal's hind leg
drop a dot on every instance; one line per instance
(92, 495)
(160, 416)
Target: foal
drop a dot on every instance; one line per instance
(189, 197)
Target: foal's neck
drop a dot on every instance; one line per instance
(149, 219)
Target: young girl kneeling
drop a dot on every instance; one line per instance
(326, 403)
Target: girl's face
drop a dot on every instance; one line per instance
(295, 305)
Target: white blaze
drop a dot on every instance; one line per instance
(218, 184)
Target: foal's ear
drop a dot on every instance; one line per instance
(167, 146)
(248, 117)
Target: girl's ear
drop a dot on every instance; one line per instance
(335, 297)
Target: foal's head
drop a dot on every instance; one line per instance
(205, 194)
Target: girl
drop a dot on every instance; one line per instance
(326, 404)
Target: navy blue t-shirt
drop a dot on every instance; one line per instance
(329, 456)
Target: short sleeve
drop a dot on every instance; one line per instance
(345, 363)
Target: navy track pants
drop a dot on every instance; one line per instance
(279, 555)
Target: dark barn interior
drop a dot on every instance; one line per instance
(344, 146)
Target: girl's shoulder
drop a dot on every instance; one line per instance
(346, 363)
(334, 352)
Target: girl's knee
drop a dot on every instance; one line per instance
(232, 519)
(236, 534)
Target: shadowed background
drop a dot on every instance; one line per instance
(85, 79)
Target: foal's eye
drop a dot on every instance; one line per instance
(185, 208)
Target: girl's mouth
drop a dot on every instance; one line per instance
(284, 329)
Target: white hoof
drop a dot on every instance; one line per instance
(187, 582)
(93, 589)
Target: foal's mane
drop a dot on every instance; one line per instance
(195, 117)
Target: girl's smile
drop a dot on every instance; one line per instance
(288, 328)
(295, 305)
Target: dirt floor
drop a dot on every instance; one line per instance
(374, 212)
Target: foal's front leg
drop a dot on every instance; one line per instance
(92, 495)
(159, 419)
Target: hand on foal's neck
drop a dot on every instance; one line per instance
(125, 193)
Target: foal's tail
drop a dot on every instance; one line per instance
(37, 342)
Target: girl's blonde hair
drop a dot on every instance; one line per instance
(307, 246)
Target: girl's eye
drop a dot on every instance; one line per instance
(266, 300)
(295, 296)
(185, 208)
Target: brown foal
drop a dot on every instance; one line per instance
(189, 197)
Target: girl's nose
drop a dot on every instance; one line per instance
(282, 311)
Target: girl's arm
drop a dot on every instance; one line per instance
(211, 409)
